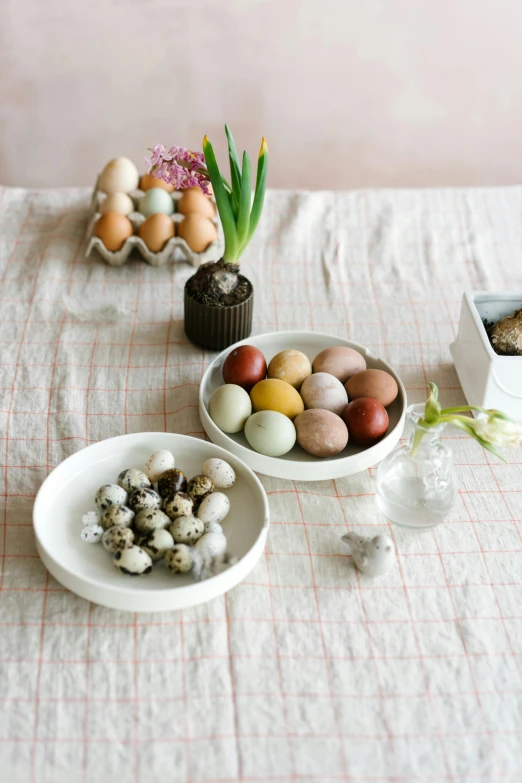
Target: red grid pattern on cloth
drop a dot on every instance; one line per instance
(307, 671)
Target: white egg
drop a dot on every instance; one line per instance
(110, 495)
(214, 508)
(186, 530)
(229, 407)
(179, 559)
(119, 176)
(156, 543)
(270, 433)
(133, 561)
(213, 527)
(211, 545)
(221, 473)
(117, 202)
(91, 518)
(158, 463)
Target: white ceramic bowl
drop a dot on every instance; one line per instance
(87, 569)
(298, 465)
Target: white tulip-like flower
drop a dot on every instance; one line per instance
(498, 431)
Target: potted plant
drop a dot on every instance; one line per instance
(218, 299)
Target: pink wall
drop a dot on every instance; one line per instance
(349, 93)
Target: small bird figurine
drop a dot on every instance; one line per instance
(372, 556)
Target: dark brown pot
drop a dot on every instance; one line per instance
(215, 328)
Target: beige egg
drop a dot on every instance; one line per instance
(378, 384)
(198, 232)
(113, 229)
(321, 432)
(322, 390)
(119, 176)
(194, 201)
(156, 231)
(290, 366)
(117, 202)
(340, 361)
(149, 181)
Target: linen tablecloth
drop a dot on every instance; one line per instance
(307, 671)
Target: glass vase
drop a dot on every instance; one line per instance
(416, 482)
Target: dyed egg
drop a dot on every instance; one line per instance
(113, 229)
(244, 366)
(221, 473)
(340, 361)
(156, 200)
(290, 366)
(117, 202)
(148, 181)
(198, 232)
(270, 433)
(214, 508)
(119, 176)
(373, 383)
(321, 432)
(275, 395)
(158, 463)
(367, 421)
(229, 407)
(156, 231)
(194, 201)
(322, 390)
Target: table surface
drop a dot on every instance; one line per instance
(307, 671)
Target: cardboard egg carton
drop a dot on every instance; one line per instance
(175, 249)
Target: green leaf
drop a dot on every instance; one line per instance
(432, 408)
(223, 204)
(259, 195)
(243, 219)
(471, 431)
(235, 173)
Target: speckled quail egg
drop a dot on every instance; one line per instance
(186, 530)
(110, 495)
(91, 518)
(156, 543)
(158, 463)
(91, 534)
(133, 561)
(150, 519)
(214, 507)
(211, 545)
(117, 515)
(199, 487)
(116, 538)
(171, 481)
(178, 505)
(144, 499)
(132, 479)
(221, 473)
(179, 559)
(213, 527)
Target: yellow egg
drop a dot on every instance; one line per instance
(193, 201)
(290, 366)
(119, 176)
(156, 231)
(275, 395)
(198, 232)
(113, 229)
(117, 202)
(148, 181)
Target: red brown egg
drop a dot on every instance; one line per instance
(367, 421)
(244, 366)
(373, 383)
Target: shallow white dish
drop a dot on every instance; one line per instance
(298, 465)
(87, 569)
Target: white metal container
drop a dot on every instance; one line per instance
(487, 379)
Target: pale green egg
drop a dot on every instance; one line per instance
(156, 200)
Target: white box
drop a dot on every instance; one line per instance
(487, 379)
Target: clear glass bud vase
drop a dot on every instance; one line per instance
(416, 482)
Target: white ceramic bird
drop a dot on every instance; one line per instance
(372, 556)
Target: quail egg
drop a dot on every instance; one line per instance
(171, 481)
(213, 527)
(91, 534)
(132, 479)
(117, 515)
(211, 545)
(179, 559)
(221, 473)
(91, 518)
(116, 538)
(110, 495)
(133, 561)
(158, 463)
(151, 519)
(186, 530)
(199, 487)
(144, 499)
(214, 507)
(156, 543)
(178, 505)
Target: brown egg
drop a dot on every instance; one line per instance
(156, 230)
(373, 383)
(113, 229)
(245, 366)
(198, 232)
(321, 432)
(197, 188)
(340, 361)
(193, 201)
(275, 395)
(367, 421)
(290, 366)
(322, 390)
(148, 181)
